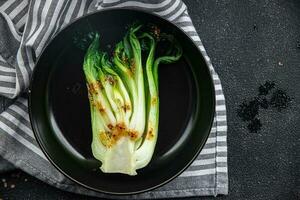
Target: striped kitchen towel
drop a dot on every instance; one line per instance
(25, 28)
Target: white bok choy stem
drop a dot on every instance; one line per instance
(124, 99)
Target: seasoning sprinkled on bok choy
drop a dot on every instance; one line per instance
(124, 98)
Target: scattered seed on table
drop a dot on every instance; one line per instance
(298, 44)
(248, 111)
(264, 103)
(254, 27)
(266, 87)
(280, 100)
(254, 126)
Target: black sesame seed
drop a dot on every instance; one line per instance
(298, 44)
(248, 111)
(280, 100)
(254, 27)
(264, 103)
(266, 88)
(254, 126)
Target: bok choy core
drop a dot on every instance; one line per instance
(124, 98)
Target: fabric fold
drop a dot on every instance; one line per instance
(26, 27)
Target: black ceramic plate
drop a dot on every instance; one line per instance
(59, 107)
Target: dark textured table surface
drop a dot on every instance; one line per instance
(249, 42)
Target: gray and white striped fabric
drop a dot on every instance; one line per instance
(25, 28)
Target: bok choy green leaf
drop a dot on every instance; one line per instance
(124, 97)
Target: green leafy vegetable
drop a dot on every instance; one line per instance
(124, 97)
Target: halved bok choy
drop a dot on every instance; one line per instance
(124, 98)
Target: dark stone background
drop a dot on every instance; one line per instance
(249, 42)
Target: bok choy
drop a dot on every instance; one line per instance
(124, 97)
